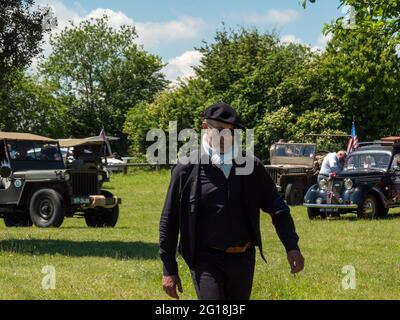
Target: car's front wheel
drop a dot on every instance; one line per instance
(102, 217)
(369, 208)
(314, 213)
(47, 208)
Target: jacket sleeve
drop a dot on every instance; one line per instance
(272, 203)
(169, 224)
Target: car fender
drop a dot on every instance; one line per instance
(30, 186)
(360, 192)
(311, 194)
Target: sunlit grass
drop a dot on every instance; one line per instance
(123, 263)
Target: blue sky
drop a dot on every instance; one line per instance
(172, 28)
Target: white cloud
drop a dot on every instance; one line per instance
(116, 19)
(181, 66)
(275, 17)
(150, 34)
(322, 42)
(153, 34)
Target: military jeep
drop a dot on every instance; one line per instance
(294, 168)
(38, 187)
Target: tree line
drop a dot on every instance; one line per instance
(97, 76)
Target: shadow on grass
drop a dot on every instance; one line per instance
(112, 249)
(353, 217)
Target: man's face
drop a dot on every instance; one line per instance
(341, 156)
(220, 134)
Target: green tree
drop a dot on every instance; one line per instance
(101, 73)
(245, 68)
(21, 33)
(32, 107)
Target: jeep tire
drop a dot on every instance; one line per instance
(294, 194)
(47, 208)
(102, 217)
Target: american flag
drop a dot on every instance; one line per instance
(103, 136)
(353, 141)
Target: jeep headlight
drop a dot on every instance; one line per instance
(348, 184)
(323, 185)
(67, 177)
(100, 177)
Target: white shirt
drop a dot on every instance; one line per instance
(330, 164)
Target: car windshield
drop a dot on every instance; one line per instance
(294, 150)
(377, 161)
(33, 151)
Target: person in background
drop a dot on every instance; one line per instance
(333, 163)
(281, 149)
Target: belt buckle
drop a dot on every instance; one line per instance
(241, 249)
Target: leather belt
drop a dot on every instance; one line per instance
(238, 249)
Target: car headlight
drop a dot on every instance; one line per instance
(67, 177)
(348, 184)
(323, 184)
(100, 177)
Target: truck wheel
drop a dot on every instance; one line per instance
(314, 213)
(18, 220)
(294, 194)
(102, 217)
(368, 208)
(47, 208)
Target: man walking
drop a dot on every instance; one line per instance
(216, 213)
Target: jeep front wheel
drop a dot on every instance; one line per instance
(369, 208)
(102, 217)
(47, 208)
(294, 194)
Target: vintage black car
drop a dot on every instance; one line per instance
(369, 185)
(38, 186)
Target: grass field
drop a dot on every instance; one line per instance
(123, 263)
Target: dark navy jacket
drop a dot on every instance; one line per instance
(179, 214)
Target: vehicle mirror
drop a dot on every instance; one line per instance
(5, 172)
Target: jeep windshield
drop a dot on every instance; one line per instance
(293, 150)
(38, 155)
(367, 161)
(292, 154)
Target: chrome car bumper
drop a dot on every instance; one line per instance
(330, 206)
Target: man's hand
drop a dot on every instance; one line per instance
(296, 261)
(169, 285)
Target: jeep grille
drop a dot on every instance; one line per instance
(84, 184)
(273, 173)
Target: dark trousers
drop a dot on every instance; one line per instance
(223, 276)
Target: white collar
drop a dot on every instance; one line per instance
(217, 158)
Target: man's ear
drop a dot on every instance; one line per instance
(204, 125)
